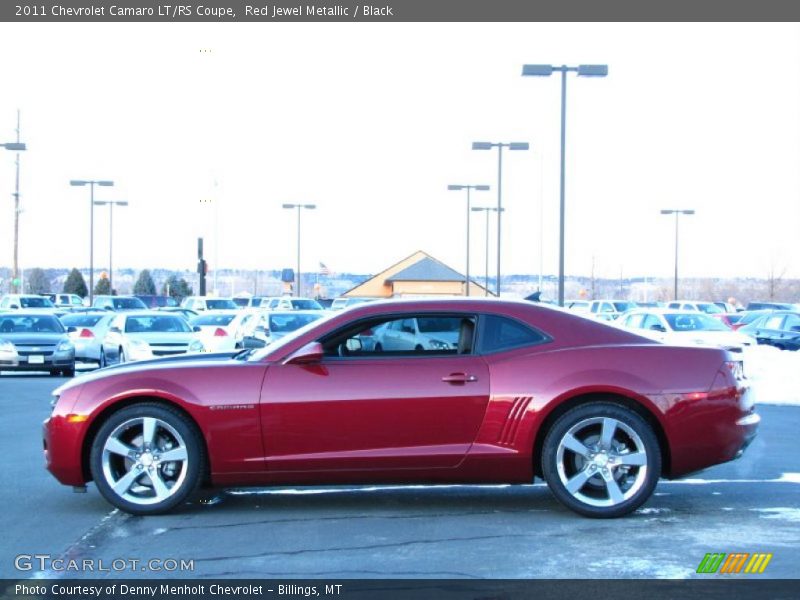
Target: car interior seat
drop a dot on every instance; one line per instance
(465, 336)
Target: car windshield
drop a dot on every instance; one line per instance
(438, 324)
(80, 320)
(128, 303)
(211, 320)
(709, 308)
(289, 338)
(30, 324)
(694, 322)
(623, 306)
(301, 304)
(157, 324)
(287, 323)
(36, 303)
(221, 304)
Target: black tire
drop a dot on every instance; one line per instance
(581, 421)
(378, 348)
(194, 465)
(69, 372)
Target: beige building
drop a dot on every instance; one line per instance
(417, 275)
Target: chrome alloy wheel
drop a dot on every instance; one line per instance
(144, 460)
(601, 461)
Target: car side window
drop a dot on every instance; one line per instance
(502, 333)
(424, 335)
(635, 321)
(649, 321)
(773, 322)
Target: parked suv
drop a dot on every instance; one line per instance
(69, 301)
(26, 302)
(118, 303)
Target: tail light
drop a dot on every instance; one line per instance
(86, 333)
(220, 332)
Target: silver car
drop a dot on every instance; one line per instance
(88, 334)
(34, 341)
(145, 335)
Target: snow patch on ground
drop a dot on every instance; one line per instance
(640, 567)
(782, 513)
(653, 511)
(774, 375)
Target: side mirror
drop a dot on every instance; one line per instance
(308, 354)
(354, 345)
(14, 306)
(262, 329)
(72, 329)
(196, 329)
(115, 330)
(658, 327)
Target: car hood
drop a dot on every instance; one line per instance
(45, 339)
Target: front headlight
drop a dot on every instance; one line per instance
(196, 346)
(64, 346)
(7, 346)
(440, 345)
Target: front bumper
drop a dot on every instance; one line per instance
(62, 442)
(22, 363)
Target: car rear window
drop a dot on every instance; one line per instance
(81, 320)
(30, 324)
(218, 320)
(502, 333)
(36, 303)
(221, 305)
(166, 324)
(128, 303)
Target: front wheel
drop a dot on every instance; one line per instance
(147, 459)
(601, 460)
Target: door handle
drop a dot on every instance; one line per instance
(459, 378)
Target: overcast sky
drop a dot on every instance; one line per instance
(371, 122)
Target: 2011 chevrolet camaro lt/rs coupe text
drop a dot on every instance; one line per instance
(459, 391)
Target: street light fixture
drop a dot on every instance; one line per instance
(455, 188)
(111, 204)
(499, 146)
(546, 71)
(91, 183)
(677, 212)
(487, 210)
(299, 207)
(16, 147)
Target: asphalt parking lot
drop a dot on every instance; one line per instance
(751, 505)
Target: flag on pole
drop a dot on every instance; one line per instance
(323, 270)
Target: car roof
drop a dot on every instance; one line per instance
(661, 311)
(143, 313)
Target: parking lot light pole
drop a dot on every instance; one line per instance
(16, 147)
(299, 208)
(546, 71)
(111, 204)
(487, 210)
(499, 146)
(677, 212)
(91, 183)
(455, 188)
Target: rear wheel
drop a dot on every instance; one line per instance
(69, 372)
(147, 459)
(601, 460)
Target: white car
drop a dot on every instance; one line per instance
(290, 303)
(273, 325)
(684, 327)
(222, 330)
(346, 302)
(89, 331)
(27, 302)
(144, 335)
(420, 333)
(201, 303)
(710, 308)
(608, 310)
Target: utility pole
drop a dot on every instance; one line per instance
(16, 216)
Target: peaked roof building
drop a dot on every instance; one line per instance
(417, 275)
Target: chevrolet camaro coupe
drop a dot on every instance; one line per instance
(526, 391)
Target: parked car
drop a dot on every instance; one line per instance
(67, 301)
(608, 310)
(290, 303)
(770, 306)
(347, 302)
(26, 302)
(581, 306)
(749, 316)
(528, 391)
(87, 331)
(35, 341)
(157, 301)
(273, 325)
(118, 303)
(417, 334)
(780, 329)
(201, 303)
(684, 327)
(709, 308)
(222, 331)
(726, 307)
(144, 335)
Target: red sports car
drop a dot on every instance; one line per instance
(458, 391)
